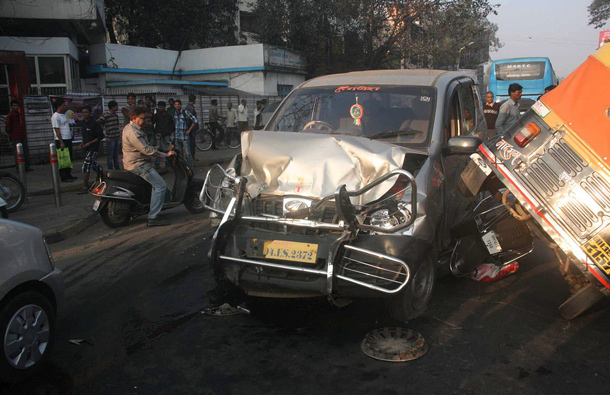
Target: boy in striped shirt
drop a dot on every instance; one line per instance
(110, 122)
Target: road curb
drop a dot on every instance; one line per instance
(72, 229)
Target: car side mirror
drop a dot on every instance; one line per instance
(462, 145)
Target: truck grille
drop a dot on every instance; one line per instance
(598, 189)
(546, 178)
(571, 162)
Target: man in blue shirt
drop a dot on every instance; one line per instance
(184, 122)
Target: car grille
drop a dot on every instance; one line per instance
(273, 206)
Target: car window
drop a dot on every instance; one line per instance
(467, 101)
(398, 114)
(455, 120)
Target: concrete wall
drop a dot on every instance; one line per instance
(40, 45)
(52, 9)
(130, 57)
(236, 56)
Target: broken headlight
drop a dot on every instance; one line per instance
(390, 217)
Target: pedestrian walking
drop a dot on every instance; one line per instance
(15, 128)
(63, 136)
(164, 127)
(231, 118)
(92, 136)
(148, 126)
(258, 117)
(109, 121)
(193, 143)
(242, 116)
(184, 122)
(509, 110)
(137, 153)
(170, 106)
(131, 103)
(491, 110)
(215, 128)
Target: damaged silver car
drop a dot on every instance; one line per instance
(350, 191)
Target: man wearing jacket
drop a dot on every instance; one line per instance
(15, 129)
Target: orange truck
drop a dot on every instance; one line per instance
(551, 170)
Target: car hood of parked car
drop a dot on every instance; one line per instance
(314, 165)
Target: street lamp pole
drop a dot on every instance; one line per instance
(457, 64)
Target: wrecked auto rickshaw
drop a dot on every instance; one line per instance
(351, 190)
(554, 164)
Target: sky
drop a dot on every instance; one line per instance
(557, 29)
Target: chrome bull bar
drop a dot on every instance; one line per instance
(234, 187)
(329, 272)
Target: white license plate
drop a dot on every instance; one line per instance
(96, 204)
(492, 243)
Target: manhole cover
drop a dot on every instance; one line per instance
(394, 345)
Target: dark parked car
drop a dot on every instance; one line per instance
(31, 291)
(351, 191)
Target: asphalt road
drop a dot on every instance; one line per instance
(135, 295)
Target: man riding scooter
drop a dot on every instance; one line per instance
(137, 154)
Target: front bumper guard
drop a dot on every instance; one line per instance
(350, 270)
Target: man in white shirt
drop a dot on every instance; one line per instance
(231, 117)
(63, 136)
(242, 116)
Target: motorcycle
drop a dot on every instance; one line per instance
(122, 196)
(12, 193)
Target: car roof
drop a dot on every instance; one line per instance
(385, 77)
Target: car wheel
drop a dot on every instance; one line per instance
(413, 300)
(27, 325)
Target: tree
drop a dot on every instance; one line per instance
(173, 25)
(599, 13)
(344, 35)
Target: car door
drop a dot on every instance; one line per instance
(461, 120)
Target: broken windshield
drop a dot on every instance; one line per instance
(398, 114)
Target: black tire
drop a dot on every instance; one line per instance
(233, 138)
(204, 140)
(412, 301)
(580, 302)
(193, 204)
(115, 214)
(12, 191)
(18, 359)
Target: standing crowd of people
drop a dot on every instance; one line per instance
(142, 131)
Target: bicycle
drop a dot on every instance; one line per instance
(205, 138)
(12, 191)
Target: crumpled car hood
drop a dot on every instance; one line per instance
(314, 165)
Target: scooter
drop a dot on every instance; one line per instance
(122, 196)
